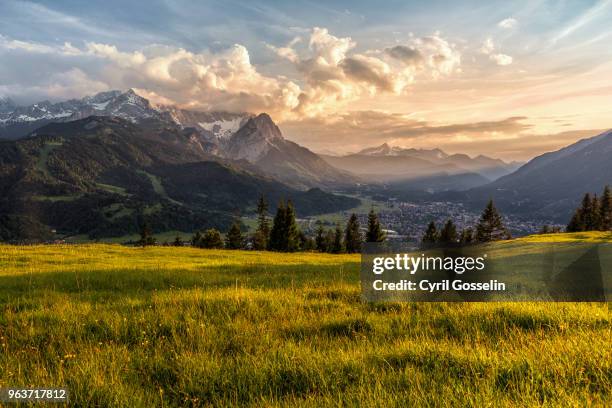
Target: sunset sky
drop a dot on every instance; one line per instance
(506, 79)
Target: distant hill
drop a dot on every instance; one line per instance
(551, 185)
(103, 176)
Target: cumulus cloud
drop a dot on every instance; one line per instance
(501, 59)
(507, 23)
(329, 73)
(488, 48)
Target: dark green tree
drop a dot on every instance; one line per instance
(467, 236)
(320, 238)
(374, 232)
(234, 238)
(212, 239)
(146, 237)
(329, 240)
(178, 241)
(352, 235)
(448, 234)
(431, 234)
(261, 237)
(291, 228)
(491, 227)
(277, 234)
(595, 219)
(605, 210)
(337, 246)
(196, 240)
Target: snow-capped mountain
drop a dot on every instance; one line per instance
(6, 104)
(217, 125)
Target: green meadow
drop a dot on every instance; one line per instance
(165, 326)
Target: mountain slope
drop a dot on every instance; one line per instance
(260, 142)
(102, 176)
(552, 184)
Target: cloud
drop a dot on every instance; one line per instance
(507, 23)
(488, 48)
(356, 129)
(501, 59)
(407, 54)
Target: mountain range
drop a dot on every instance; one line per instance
(414, 167)
(101, 164)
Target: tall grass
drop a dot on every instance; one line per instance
(159, 326)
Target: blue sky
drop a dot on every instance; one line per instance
(538, 69)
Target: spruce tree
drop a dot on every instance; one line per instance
(576, 223)
(448, 235)
(352, 235)
(261, 236)
(277, 234)
(491, 227)
(178, 242)
(431, 234)
(234, 238)
(212, 239)
(587, 212)
(320, 238)
(605, 210)
(337, 247)
(146, 237)
(291, 229)
(375, 232)
(196, 240)
(467, 236)
(329, 240)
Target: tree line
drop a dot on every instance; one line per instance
(593, 214)
(490, 227)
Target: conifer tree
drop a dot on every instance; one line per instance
(277, 234)
(337, 244)
(467, 236)
(262, 233)
(576, 223)
(212, 239)
(431, 234)
(605, 210)
(375, 232)
(146, 237)
(320, 238)
(352, 235)
(448, 235)
(234, 238)
(491, 227)
(329, 240)
(595, 214)
(178, 242)
(196, 240)
(587, 213)
(291, 229)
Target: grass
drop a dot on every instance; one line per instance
(164, 326)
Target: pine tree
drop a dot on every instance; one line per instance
(352, 235)
(587, 213)
(337, 247)
(196, 240)
(320, 238)
(448, 235)
(146, 237)
(178, 242)
(576, 224)
(491, 227)
(467, 236)
(277, 234)
(595, 214)
(431, 234)
(605, 210)
(329, 240)
(291, 229)
(261, 237)
(375, 232)
(212, 239)
(234, 238)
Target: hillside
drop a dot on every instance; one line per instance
(551, 185)
(104, 176)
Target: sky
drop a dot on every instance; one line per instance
(505, 79)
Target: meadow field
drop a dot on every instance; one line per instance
(165, 326)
